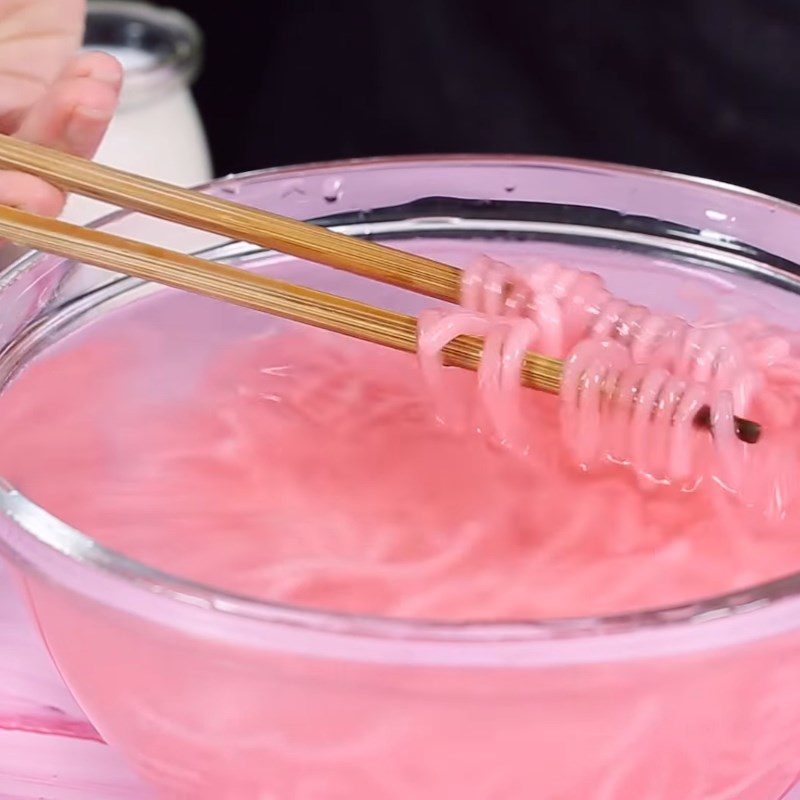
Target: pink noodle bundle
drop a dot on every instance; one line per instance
(570, 305)
(633, 380)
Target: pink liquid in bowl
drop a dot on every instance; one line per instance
(303, 468)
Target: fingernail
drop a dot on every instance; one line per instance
(88, 112)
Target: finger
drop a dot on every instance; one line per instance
(100, 66)
(30, 193)
(75, 112)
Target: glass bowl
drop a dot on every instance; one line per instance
(212, 695)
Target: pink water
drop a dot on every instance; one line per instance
(299, 466)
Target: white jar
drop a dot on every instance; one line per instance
(157, 130)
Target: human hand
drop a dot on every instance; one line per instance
(50, 94)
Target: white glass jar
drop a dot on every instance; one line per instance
(157, 130)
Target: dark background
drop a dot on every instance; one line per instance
(710, 87)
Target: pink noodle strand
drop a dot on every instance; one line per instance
(499, 375)
(435, 330)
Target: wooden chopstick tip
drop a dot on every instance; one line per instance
(747, 430)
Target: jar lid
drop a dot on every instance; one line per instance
(159, 48)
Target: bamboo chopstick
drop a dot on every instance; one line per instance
(248, 289)
(226, 218)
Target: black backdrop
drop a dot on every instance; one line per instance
(708, 87)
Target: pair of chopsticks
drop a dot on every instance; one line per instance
(224, 282)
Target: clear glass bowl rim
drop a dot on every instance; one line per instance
(65, 542)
